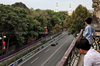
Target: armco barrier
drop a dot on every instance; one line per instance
(17, 62)
(26, 56)
(38, 49)
(6, 56)
(42, 46)
(31, 53)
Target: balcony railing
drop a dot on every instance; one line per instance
(72, 56)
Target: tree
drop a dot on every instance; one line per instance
(13, 23)
(57, 27)
(34, 27)
(21, 24)
(76, 22)
(21, 5)
(62, 15)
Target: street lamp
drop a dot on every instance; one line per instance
(45, 27)
(45, 32)
(3, 42)
(61, 26)
(4, 36)
(0, 38)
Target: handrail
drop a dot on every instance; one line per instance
(64, 60)
(72, 52)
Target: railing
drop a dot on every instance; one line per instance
(72, 56)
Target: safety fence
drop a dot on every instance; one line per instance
(5, 60)
(27, 56)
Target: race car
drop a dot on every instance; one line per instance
(54, 44)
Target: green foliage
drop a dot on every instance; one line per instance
(55, 18)
(19, 23)
(21, 5)
(76, 22)
(13, 22)
(57, 27)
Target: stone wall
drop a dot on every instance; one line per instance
(96, 13)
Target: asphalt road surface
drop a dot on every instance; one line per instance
(51, 55)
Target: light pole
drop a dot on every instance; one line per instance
(45, 29)
(45, 32)
(0, 41)
(3, 42)
(61, 24)
(2, 38)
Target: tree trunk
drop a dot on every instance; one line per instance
(7, 45)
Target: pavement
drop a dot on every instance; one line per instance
(51, 55)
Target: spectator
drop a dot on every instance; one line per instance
(91, 57)
(89, 30)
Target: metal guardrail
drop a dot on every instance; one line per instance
(20, 50)
(23, 58)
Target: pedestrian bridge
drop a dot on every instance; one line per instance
(72, 57)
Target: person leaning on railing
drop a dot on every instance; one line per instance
(89, 30)
(91, 57)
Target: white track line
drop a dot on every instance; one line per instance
(47, 50)
(57, 63)
(43, 64)
(34, 60)
(36, 53)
